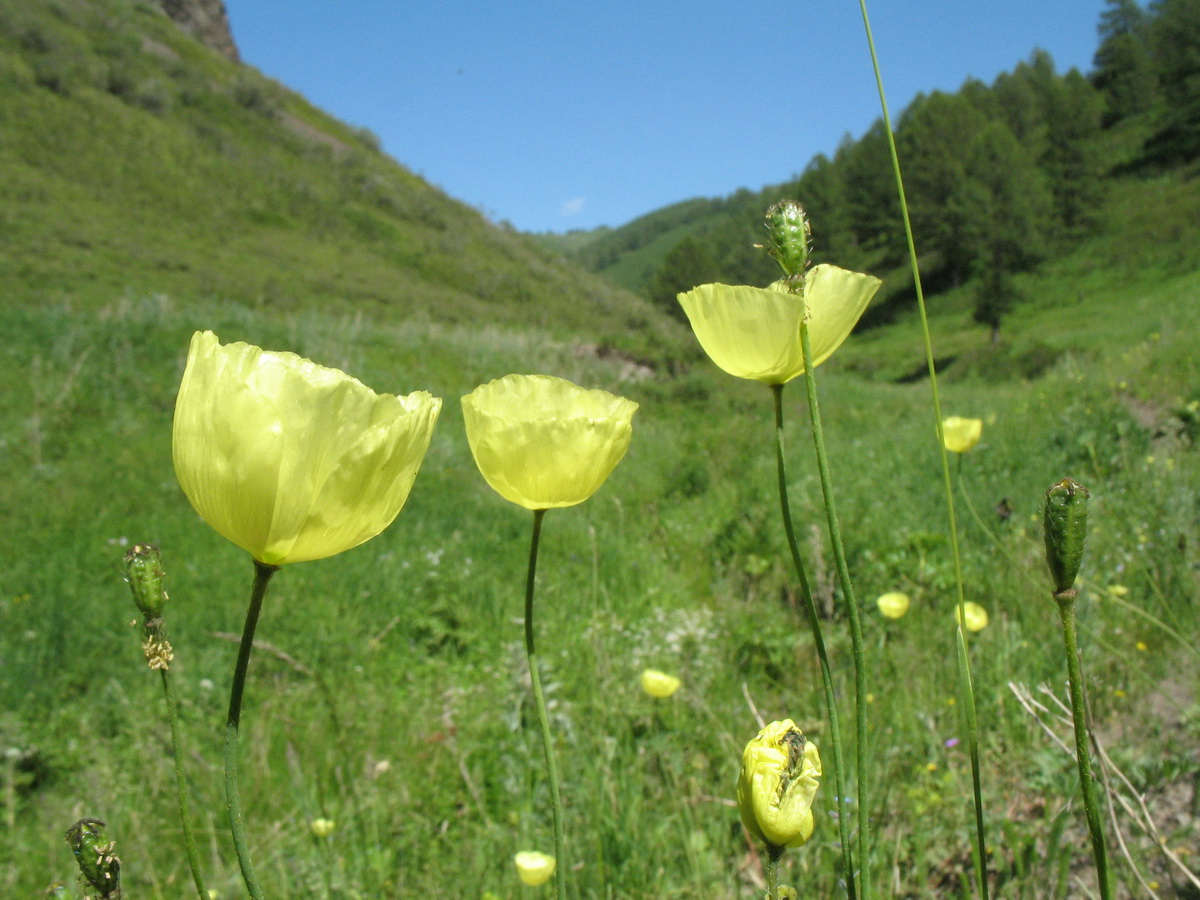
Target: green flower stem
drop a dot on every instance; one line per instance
(543, 716)
(773, 856)
(980, 853)
(1091, 804)
(185, 812)
(856, 638)
(233, 799)
(835, 732)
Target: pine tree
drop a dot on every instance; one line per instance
(1124, 71)
(1007, 214)
(687, 264)
(1175, 41)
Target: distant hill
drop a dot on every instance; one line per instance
(1000, 178)
(137, 160)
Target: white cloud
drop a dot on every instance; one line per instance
(572, 207)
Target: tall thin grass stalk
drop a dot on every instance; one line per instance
(835, 732)
(543, 716)
(851, 603)
(233, 797)
(966, 689)
(185, 811)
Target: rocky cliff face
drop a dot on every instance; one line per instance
(206, 21)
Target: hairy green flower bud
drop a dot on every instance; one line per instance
(96, 856)
(1065, 521)
(143, 571)
(788, 233)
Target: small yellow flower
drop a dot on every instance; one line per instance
(659, 684)
(534, 868)
(542, 442)
(975, 617)
(778, 781)
(754, 332)
(893, 604)
(959, 434)
(1141, 645)
(322, 828)
(291, 460)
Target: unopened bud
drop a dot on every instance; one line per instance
(143, 570)
(96, 856)
(788, 234)
(1065, 521)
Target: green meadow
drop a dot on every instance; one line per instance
(389, 693)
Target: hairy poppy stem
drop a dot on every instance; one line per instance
(543, 716)
(835, 732)
(233, 799)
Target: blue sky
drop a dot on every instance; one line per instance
(560, 114)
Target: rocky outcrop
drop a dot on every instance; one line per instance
(206, 21)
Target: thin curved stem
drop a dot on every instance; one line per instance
(185, 811)
(233, 799)
(980, 833)
(1087, 783)
(835, 732)
(543, 716)
(856, 638)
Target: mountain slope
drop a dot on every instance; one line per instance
(136, 160)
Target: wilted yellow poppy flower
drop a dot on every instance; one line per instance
(960, 434)
(754, 332)
(543, 442)
(291, 460)
(777, 784)
(975, 617)
(534, 868)
(659, 684)
(893, 604)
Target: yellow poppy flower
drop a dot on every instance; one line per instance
(778, 781)
(291, 460)
(659, 684)
(534, 868)
(975, 617)
(959, 434)
(322, 828)
(754, 332)
(893, 604)
(543, 442)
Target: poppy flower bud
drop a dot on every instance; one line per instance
(788, 236)
(96, 856)
(143, 571)
(780, 773)
(1065, 523)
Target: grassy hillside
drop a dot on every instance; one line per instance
(136, 161)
